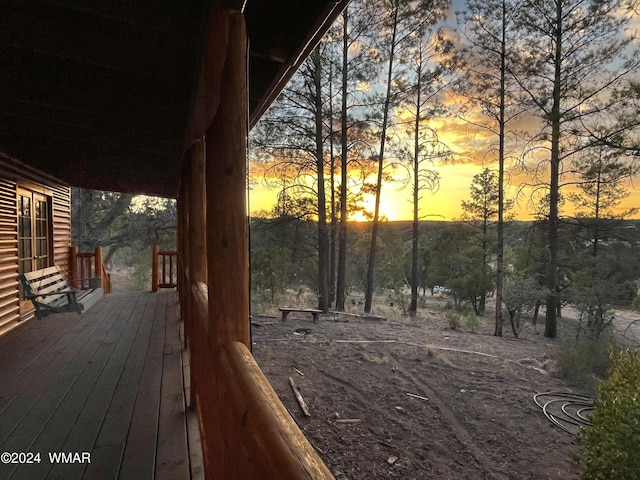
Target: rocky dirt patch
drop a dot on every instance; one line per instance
(413, 399)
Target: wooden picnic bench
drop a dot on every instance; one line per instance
(287, 310)
(51, 293)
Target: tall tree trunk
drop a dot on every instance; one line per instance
(500, 240)
(332, 183)
(373, 247)
(553, 300)
(482, 301)
(342, 251)
(323, 238)
(413, 305)
(596, 228)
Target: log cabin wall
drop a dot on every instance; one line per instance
(62, 227)
(15, 175)
(9, 301)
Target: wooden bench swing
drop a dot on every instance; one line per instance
(51, 293)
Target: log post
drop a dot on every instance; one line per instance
(227, 248)
(197, 198)
(228, 268)
(154, 267)
(183, 249)
(197, 259)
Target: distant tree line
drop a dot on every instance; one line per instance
(284, 263)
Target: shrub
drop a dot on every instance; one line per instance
(397, 296)
(609, 448)
(453, 318)
(583, 360)
(459, 315)
(472, 322)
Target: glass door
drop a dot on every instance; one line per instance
(34, 232)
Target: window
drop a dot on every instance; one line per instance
(34, 231)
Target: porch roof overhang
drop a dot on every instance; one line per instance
(99, 93)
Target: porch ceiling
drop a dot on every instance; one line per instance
(98, 92)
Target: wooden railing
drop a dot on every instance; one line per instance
(164, 269)
(255, 428)
(87, 265)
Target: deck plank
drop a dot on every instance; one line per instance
(173, 452)
(140, 452)
(111, 442)
(108, 382)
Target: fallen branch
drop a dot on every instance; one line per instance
(298, 371)
(299, 398)
(446, 349)
(417, 396)
(348, 420)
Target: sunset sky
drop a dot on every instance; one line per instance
(396, 197)
(469, 145)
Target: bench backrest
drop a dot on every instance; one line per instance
(46, 281)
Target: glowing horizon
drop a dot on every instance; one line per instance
(445, 204)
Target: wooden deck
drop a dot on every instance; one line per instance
(108, 382)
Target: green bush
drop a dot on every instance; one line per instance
(472, 322)
(459, 315)
(586, 359)
(610, 448)
(454, 319)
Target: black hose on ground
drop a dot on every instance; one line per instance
(566, 410)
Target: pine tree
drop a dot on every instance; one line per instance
(575, 54)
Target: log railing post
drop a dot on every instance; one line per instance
(154, 268)
(163, 278)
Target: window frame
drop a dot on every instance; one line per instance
(40, 229)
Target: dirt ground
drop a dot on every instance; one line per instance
(412, 399)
